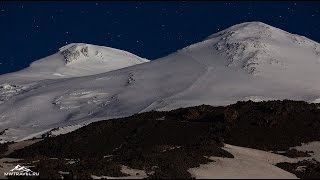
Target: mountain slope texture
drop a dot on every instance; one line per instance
(248, 61)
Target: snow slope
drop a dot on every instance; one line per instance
(247, 164)
(74, 60)
(311, 146)
(247, 61)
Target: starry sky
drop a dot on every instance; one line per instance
(31, 30)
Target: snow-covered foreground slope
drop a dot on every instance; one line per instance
(74, 60)
(247, 164)
(246, 61)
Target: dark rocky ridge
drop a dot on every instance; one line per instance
(150, 139)
(293, 153)
(302, 169)
(274, 125)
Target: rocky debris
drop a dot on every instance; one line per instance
(130, 79)
(74, 52)
(293, 153)
(306, 169)
(4, 131)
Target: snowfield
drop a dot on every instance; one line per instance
(247, 61)
(247, 164)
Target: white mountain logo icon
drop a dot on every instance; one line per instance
(21, 171)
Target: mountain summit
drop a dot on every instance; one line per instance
(261, 48)
(75, 60)
(76, 52)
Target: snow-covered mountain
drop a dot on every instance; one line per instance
(247, 61)
(75, 60)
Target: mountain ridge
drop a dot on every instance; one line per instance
(195, 75)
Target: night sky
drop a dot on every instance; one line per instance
(32, 30)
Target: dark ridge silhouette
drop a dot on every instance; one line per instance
(169, 143)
